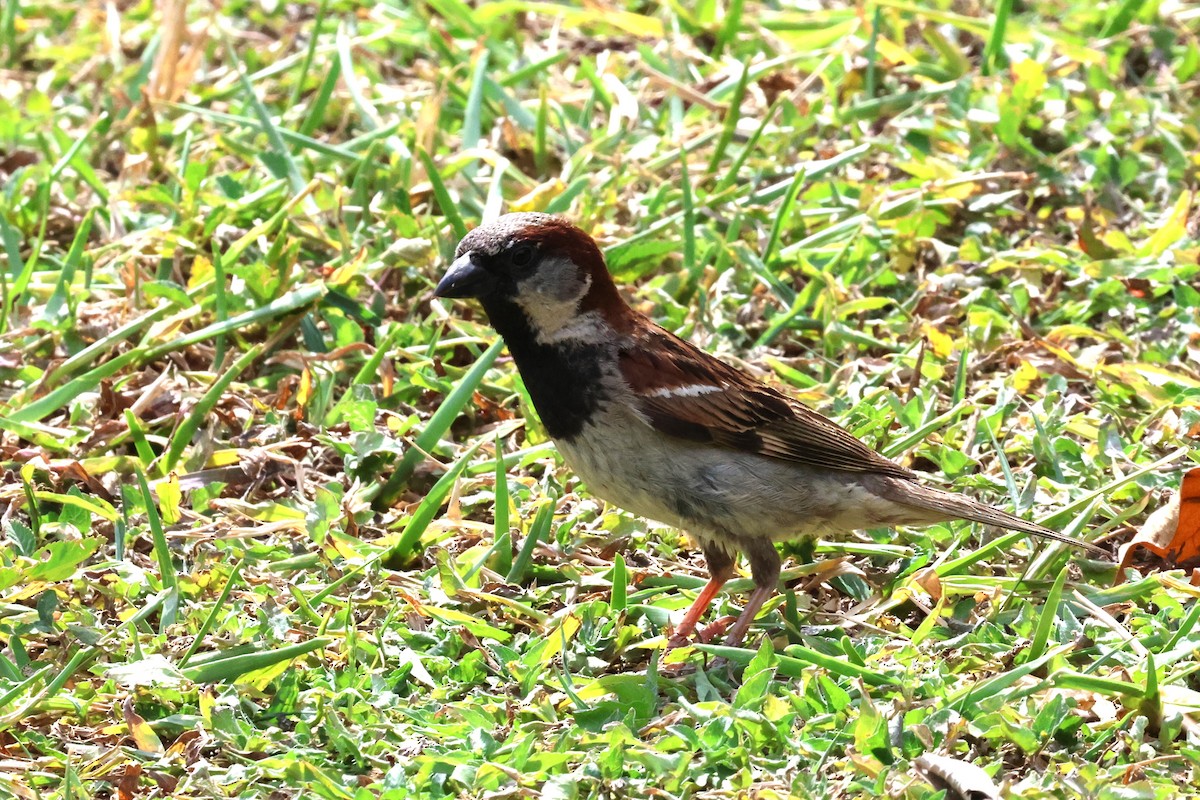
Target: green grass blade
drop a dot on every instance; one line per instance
(403, 550)
(445, 203)
(316, 111)
(162, 550)
(438, 424)
(994, 59)
(51, 402)
(138, 434)
(278, 147)
(729, 127)
(538, 531)
(228, 667)
(57, 308)
(1046, 620)
(1118, 23)
(620, 584)
(800, 659)
(210, 620)
(196, 417)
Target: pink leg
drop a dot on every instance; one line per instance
(738, 632)
(765, 567)
(720, 570)
(697, 609)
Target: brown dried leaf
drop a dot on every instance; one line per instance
(1172, 532)
(128, 784)
(929, 580)
(12, 161)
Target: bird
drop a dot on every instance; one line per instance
(666, 431)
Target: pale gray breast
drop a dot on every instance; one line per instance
(716, 493)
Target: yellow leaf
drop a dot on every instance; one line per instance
(940, 342)
(1063, 334)
(1173, 228)
(143, 735)
(344, 548)
(1148, 379)
(631, 23)
(893, 52)
(270, 512)
(346, 272)
(202, 272)
(94, 505)
(263, 677)
(931, 168)
(223, 458)
(560, 636)
(166, 329)
(1029, 78)
(1024, 377)
(1188, 255)
(473, 624)
(304, 392)
(208, 702)
(537, 198)
(573, 18)
(1118, 241)
(169, 497)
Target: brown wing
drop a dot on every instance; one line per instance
(688, 393)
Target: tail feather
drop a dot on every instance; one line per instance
(958, 506)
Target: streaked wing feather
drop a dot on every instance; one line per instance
(734, 410)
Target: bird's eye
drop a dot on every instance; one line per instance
(521, 255)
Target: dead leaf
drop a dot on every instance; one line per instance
(179, 53)
(929, 580)
(166, 783)
(128, 784)
(775, 84)
(829, 569)
(1172, 532)
(143, 735)
(1138, 287)
(959, 778)
(11, 161)
(490, 410)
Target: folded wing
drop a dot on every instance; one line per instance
(683, 391)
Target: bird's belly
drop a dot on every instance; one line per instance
(717, 493)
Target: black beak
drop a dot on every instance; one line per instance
(466, 278)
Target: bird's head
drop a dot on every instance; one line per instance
(542, 264)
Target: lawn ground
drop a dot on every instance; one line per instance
(276, 523)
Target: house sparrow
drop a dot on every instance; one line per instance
(666, 431)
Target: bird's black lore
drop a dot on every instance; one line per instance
(564, 380)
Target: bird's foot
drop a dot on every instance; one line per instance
(716, 630)
(677, 641)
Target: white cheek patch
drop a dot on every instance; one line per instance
(550, 298)
(556, 280)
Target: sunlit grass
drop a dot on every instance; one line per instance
(277, 523)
